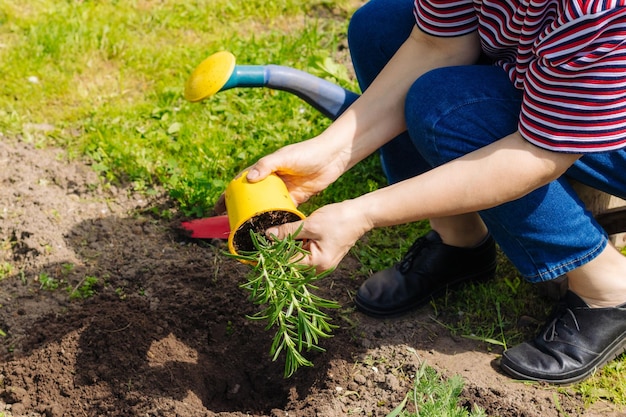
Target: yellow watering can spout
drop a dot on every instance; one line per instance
(210, 76)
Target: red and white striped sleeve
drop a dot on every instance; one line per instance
(570, 62)
(575, 88)
(445, 17)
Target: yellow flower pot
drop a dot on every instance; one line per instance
(257, 207)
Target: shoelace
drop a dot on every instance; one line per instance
(552, 327)
(407, 261)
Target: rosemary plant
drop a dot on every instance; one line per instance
(282, 286)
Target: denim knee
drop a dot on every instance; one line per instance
(422, 113)
(452, 111)
(375, 32)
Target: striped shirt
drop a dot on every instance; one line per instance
(568, 57)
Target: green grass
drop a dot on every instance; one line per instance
(5, 270)
(609, 384)
(491, 311)
(104, 80)
(434, 396)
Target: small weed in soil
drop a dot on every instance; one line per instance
(282, 285)
(434, 395)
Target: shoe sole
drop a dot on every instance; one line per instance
(388, 314)
(610, 354)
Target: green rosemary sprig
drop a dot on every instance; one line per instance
(282, 285)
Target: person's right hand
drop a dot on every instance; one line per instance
(306, 168)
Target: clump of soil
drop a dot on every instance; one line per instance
(166, 333)
(242, 241)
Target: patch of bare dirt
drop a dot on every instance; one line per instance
(166, 333)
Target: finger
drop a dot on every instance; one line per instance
(259, 171)
(284, 230)
(316, 258)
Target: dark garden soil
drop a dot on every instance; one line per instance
(166, 333)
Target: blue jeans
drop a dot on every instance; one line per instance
(453, 111)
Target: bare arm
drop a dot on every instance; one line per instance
(482, 179)
(501, 172)
(378, 116)
(375, 118)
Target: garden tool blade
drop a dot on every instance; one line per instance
(208, 228)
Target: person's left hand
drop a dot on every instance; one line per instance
(330, 232)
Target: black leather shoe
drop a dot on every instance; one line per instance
(575, 342)
(427, 270)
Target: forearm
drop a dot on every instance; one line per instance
(378, 115)
(374, 119)
(482, 179)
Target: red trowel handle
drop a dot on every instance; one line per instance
(208, 228)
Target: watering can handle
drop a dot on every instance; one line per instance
(328, 98)
(219, 72)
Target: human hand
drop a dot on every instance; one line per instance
(329, 232)
(306, 168)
